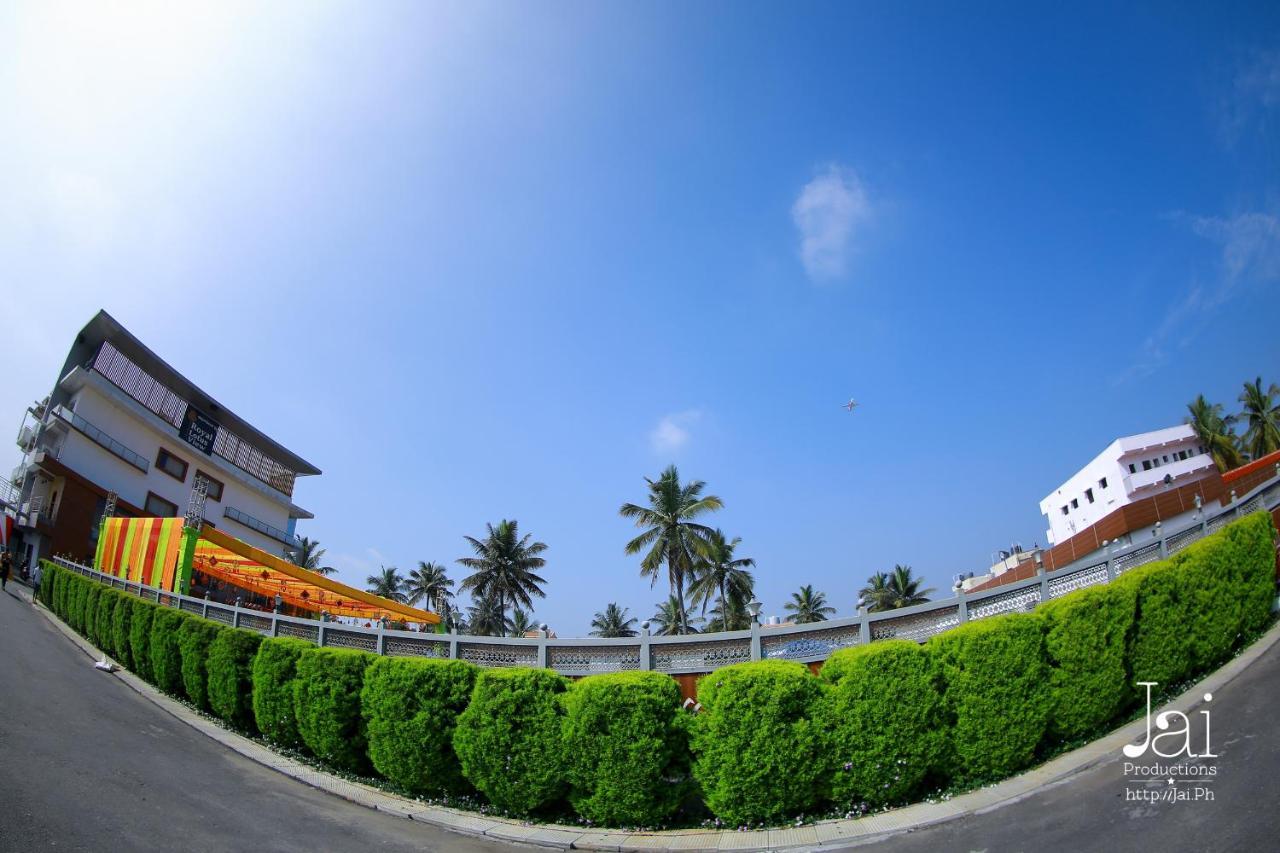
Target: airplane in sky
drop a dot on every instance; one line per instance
(850, 406)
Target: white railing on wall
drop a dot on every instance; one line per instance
(697, 653)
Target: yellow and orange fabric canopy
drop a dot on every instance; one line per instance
(149, 550)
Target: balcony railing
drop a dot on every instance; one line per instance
(698, 653)
(101, 438)
(261, 526)
(120, 371)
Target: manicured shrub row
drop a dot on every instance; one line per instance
(878, 725)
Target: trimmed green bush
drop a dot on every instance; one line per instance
(995, 693)
(1255, 539)
(1085, 637)
(48, 578)
(508, 739)
(626, 748)
(103, 635)
(759, 755)
(140, 638)
(166, 656)
(883, 715)
(1160, 643)
(121, 618)
(326, 701)
(193, 643)
(274, 670)
(410, 708)
(89, 611)
(229, 665)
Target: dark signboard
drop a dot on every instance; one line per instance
(198, 430)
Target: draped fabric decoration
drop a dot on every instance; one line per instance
(142, 550)
(148, 550)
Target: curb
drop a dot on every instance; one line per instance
(821, 835)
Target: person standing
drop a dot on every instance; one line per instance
(6, 564)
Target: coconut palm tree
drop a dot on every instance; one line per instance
(1215, 432)
(503, 566)
(429, 581)
(307, 554)
(613, 621)
(809, 606)
(905, 590)
(486, 617)
(719, 572)
(521, 622)
(671, 537)
(1262, 414)
(732, 618)
(876, 595)
(673, 618)
(388, 584)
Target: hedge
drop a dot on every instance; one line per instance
(1160, 644)
(410, 708)
(89, 610)
(229, 665)
(193, 643)
(508, 738)
(883, 713)
(274, 669)
(626, 748)
(140, 616)
(1255, 540)
(995, 694)
(121, 617)
(104, 623)
(758, 750)
(326, 702)
(1085, 636)
(166, 657)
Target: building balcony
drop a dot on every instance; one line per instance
(262, 527)
(1180, 471)
(100, 438)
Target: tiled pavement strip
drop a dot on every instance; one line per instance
(815, 836)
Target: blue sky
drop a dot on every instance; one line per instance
(480, 261)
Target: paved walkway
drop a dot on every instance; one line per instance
(63, 727)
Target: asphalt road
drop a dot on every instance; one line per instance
(88, 764)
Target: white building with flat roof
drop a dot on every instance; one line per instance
(1129, 469)
(122, 425)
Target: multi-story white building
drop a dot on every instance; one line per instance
(1130, 469)
(121, 422)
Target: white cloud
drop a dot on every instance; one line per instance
(1253, 96)
(672, 431)
(1249, 255)
(827, 213)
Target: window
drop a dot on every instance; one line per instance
(215, 486)
(1166, 457)
(160, 507)
(1064, 510)
(1133, 469)
(1088, 493)
(1075, 503)
(1146, 464)
(171, 465)
(1102, 484)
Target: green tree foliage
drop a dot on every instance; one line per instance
(230, 676)
(719, 574)
(89, 611)
(194, 638)
(613, 621)
(809, 606)
(884, 714)
(671, 537)
(1255, 539)
(759, 754)
(625, 747)
(411, 708)
(1159, 645)
(326, 702)
(508, 740)
(1215, 433)
(102, 634)
(673, 618)
(308, 555)
(274, 670)
(166, 657)
(388, 583)
(995, 693)
(503, 568)
(1085, 637)
(1262, 418)
(430, 583)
